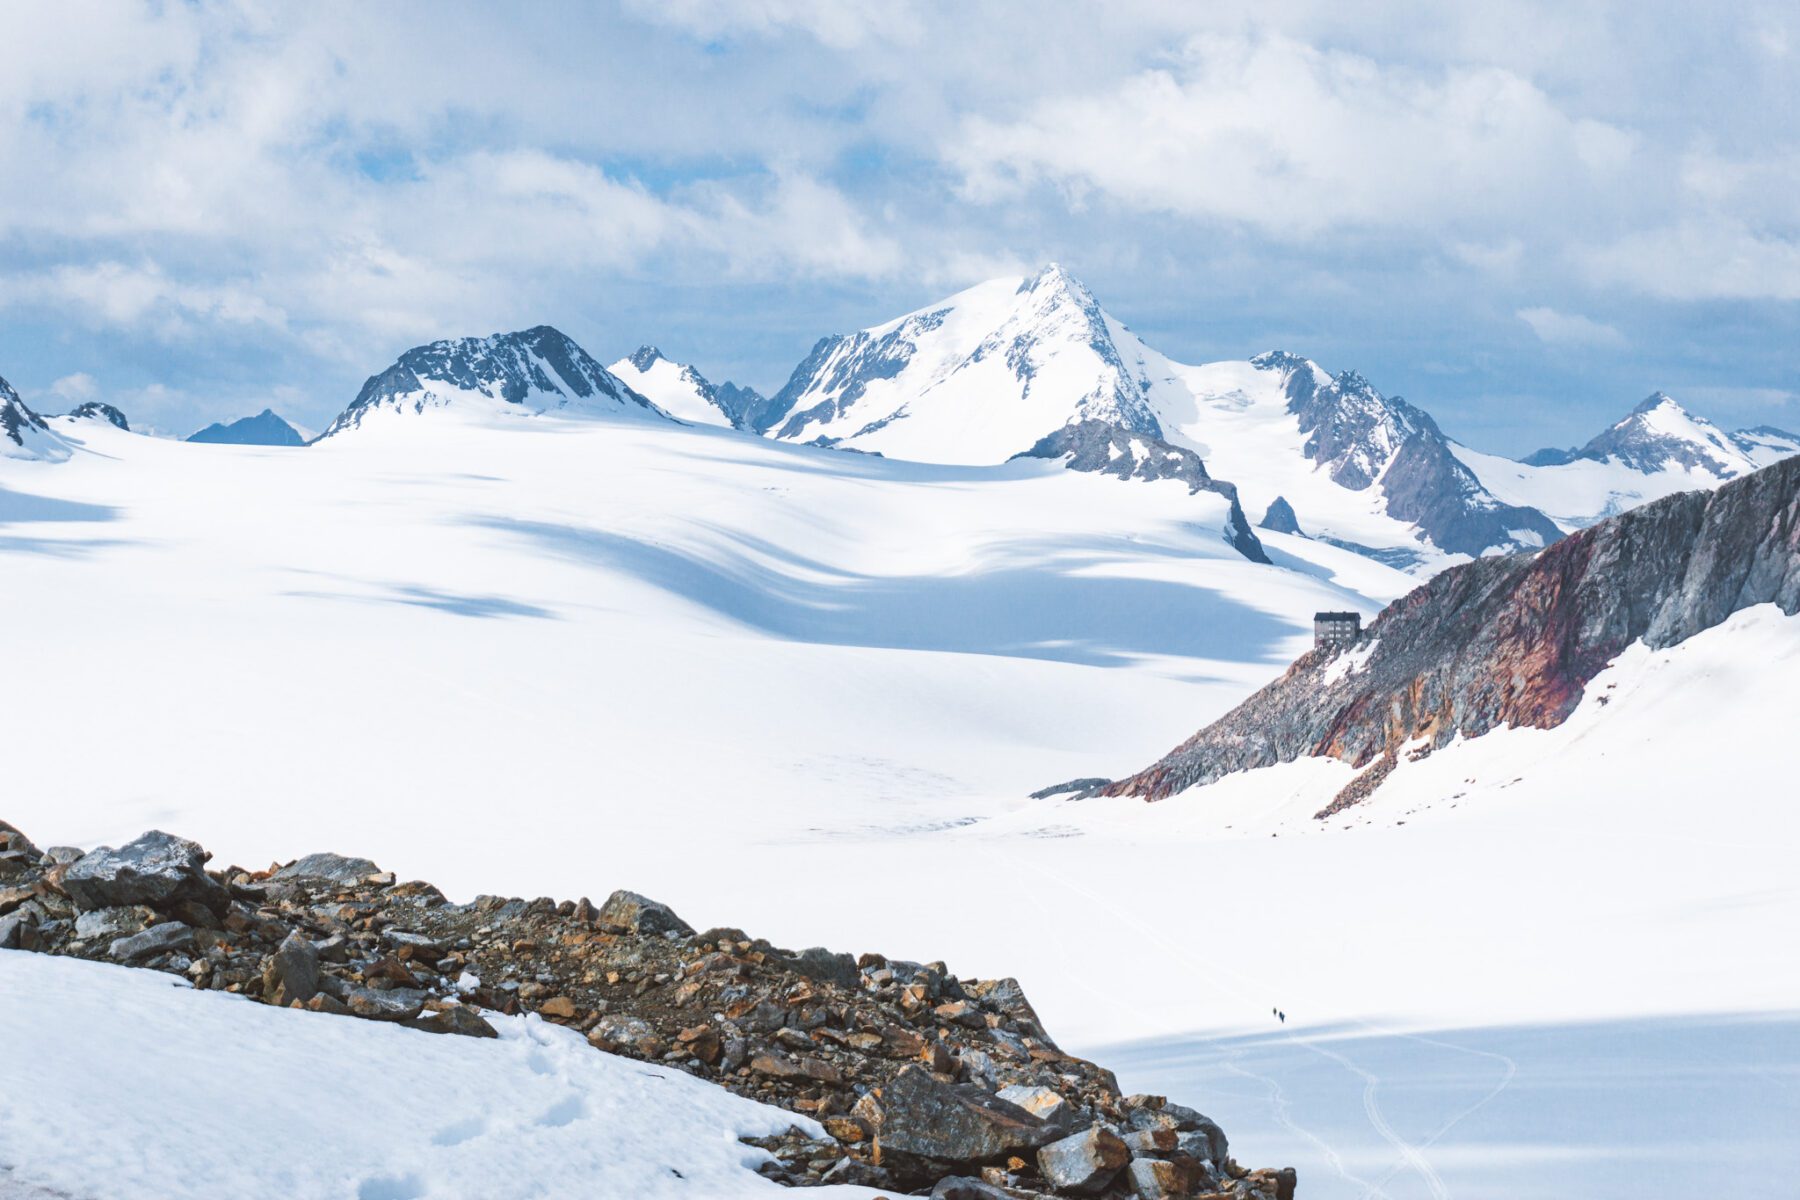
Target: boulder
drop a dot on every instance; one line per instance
(926, 1129)
(821, 964)
(394, 1004)
(1083, 1162)
(1041, 1102)
(158, 939)
(16, 928)
(113, 922)
(334, 867)
(1206, 1143)
(626, 1035)
(156, 869)
(11, 839)
(292, 972)
(640, 914)
(1162, 1178)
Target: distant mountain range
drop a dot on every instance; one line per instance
(1012, 365)
(264, 429)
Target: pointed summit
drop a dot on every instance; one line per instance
(1654, 401)
(681, 391)
(645, 357)
(533, 371)
(24, 434)
(975, 378)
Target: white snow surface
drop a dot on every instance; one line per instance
(673, 387)
(805, 693)
(127, 1083)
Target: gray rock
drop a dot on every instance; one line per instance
(821, 964)
(394, 1004)
(156, 869)
(925, 1129)
(632, 1035)
(1041, 1102)
(113, 922)
(292, 973)
(57, 855)
(1280, 518)
(15, 929)
(640, 914)
(334, 867)
(158, 939)
(1207, 1142)
(1083, 1162)
(1163, 1179)
(463, 1020)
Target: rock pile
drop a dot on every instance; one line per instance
(924, 1082)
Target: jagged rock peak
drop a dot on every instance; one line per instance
(645, 357)
(23, 433)
(538, 369)
(99, 410)
(1513, 641)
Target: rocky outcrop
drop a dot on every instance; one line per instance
(921, 1080)
(99, 410)
(1109, 449)
(1512, 641)
(1362, 439)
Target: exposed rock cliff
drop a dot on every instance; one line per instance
(1512, 641)
(1107, 449)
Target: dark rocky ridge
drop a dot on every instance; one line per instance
(512, 366)
(1513, 641)
(99, 410)
(16, 416)
(1363, 439)
(922, 1081)
(1099, 446)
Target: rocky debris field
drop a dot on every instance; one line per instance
(924, 1083)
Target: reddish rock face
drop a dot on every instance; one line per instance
(1507, 642)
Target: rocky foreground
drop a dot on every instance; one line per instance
(1507, 642)
(924, 1083)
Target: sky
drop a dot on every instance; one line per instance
(1524, 217)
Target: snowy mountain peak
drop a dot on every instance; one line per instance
(1659, 434)
(683, 392)
(645, 357)
(266, 428)
(975, 378)
(535, 370)
(23, 433)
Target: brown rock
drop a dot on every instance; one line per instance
(558, 1007)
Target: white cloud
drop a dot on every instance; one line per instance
(1570, 329)
(1701, 259)
(76, 388)
(1297, 142)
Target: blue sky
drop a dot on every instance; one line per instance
(1524, 219)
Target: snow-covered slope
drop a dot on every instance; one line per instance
(531, 372)
(988, 372)
(683, 392)
(24, 434)
(341, 1108)
(266, 428)
(974, 379)
(1659, 448)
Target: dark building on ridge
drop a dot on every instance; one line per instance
(1336, 628)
